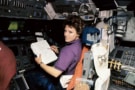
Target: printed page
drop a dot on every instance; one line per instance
(42, 47)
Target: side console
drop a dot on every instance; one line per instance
(122, 63)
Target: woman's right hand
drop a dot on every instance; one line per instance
(38, 59)
(55, 49)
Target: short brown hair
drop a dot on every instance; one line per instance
(75, 22)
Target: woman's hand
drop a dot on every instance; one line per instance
(38, 59)
(55, 49)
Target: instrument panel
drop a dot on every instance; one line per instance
(24, 57)
(29, 9)
(122, 65)
(126, 55)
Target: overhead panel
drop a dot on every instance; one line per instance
(113, 4)
(68, 6)
(29, 9)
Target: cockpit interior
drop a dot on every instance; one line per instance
(23, 22)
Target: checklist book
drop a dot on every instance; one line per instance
(42, 47)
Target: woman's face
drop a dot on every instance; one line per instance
(70, 34)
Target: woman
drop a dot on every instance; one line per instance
(67, 59)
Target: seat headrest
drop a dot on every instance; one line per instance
(90, 35)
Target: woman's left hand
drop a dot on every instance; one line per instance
(38, 59)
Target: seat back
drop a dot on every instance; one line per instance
(7, 66)
(78, 69)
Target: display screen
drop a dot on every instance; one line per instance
(119, 54)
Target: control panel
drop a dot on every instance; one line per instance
(19, 42)
(24, 57)
(31, 9)
(123, 58)
(126, 55)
